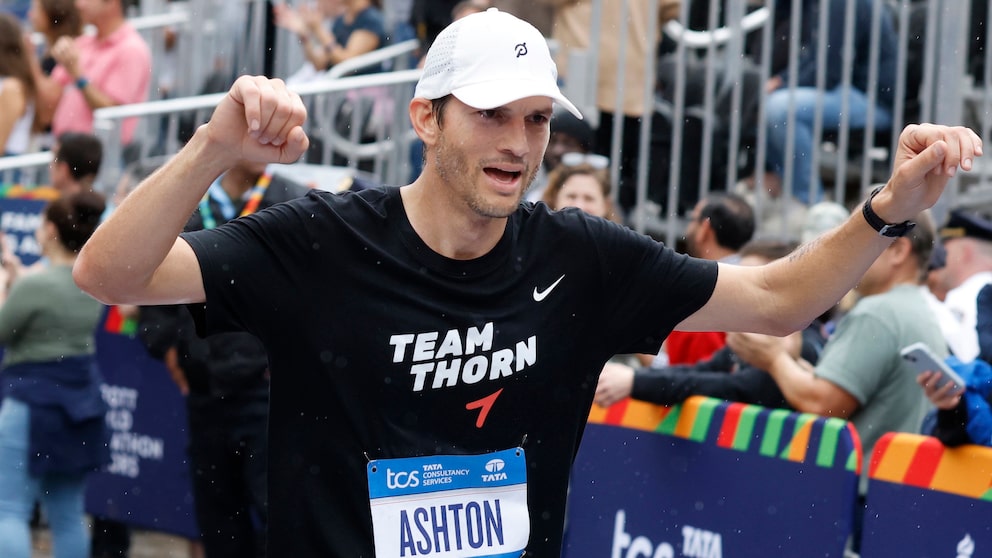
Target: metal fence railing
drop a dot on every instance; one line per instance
(704, 131)
(382, 152)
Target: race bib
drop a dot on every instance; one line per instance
(450, 505)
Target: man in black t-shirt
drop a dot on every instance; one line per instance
(434, 348)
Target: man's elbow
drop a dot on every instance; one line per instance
(90, 280)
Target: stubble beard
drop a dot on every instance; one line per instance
(453, 169)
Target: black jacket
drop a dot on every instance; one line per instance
(723, 376)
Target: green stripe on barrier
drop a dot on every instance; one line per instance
(745, 427)
(773, 432)
(670, 421)
(852, 462)
(704, 416)
(829, 438)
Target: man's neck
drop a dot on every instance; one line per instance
(451, 231)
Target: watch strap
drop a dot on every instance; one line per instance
(891, 230)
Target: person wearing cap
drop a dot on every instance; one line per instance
(967, 238)
(434, 347)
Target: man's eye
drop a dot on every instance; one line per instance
(540, 119)
(487, 114)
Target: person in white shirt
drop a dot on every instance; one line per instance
(967, 238)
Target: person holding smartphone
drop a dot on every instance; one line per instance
(964, 416)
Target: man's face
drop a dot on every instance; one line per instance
(956, 261)
(92, 11)
(488, 158)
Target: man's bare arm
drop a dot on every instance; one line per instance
(136, 257)
(785, 295)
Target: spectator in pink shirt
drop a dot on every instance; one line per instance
(112, 67)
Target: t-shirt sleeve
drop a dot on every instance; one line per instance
(649, 288)
(253, 260)
(857, 355)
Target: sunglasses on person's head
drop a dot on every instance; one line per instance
(593, 160)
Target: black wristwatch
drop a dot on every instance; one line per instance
(876, 222)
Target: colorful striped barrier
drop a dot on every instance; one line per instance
(712, 478)
(925, 499)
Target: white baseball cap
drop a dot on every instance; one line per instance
(489, 59)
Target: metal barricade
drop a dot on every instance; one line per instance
(733, 48)
(384, 155)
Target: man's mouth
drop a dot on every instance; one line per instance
(501, 175)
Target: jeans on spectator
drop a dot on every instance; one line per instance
(61, 495)
(806, 98)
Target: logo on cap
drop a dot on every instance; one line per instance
(521, 49)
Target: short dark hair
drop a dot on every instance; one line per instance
(82, 152)
(437, 108)
(922, 239)
(75, 217)
(731, 218)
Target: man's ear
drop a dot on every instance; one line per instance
(901, 249)
(424, 120)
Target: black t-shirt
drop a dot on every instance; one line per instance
(379, 346)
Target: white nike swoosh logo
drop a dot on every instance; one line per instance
(541, 295)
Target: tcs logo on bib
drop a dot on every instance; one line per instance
(403, 479)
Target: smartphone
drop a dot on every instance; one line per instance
(922, 359)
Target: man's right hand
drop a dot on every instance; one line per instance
(259, 120)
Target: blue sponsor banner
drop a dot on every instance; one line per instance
(147, 483)
(645, 494)
(904, 520)
(19, 219)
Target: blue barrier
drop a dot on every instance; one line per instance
(711, 478)
(927, 500)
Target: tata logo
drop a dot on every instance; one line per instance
(403, 479)
(495, 468)
(521, 49)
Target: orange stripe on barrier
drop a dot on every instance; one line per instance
(644, 416)
(597, 414)
(965, 470)
(800, 439)
(890, 460)
(688, 416)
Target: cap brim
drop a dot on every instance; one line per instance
(494, 94)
